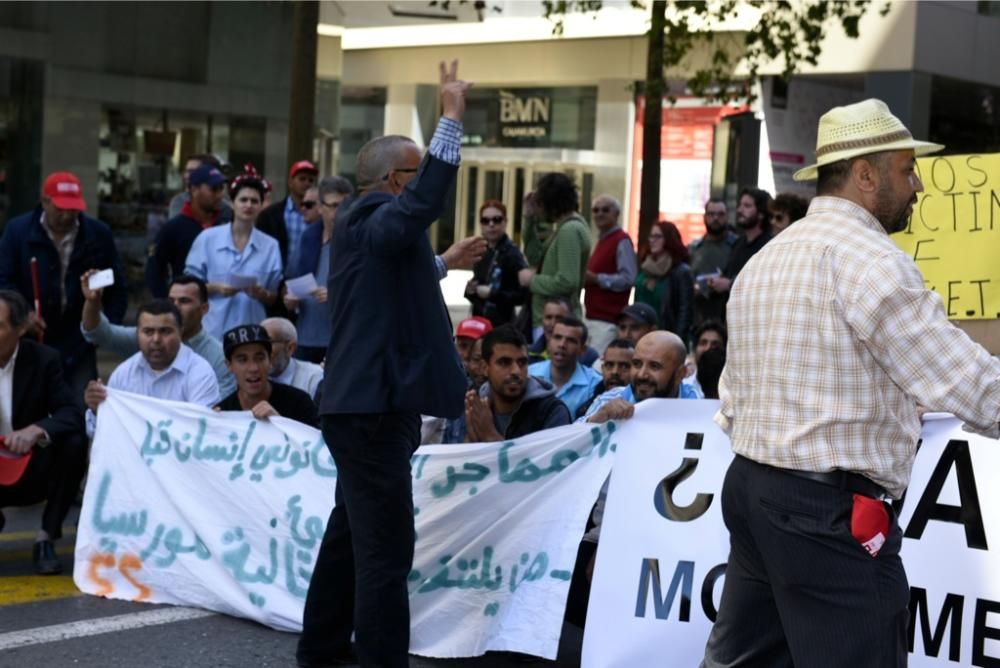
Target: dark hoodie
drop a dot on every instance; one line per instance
(538, 410)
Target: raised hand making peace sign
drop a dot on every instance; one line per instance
(453, 91)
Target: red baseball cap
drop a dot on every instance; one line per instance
(302, 166)
(63, 188)
(474, 327)
(12, 466)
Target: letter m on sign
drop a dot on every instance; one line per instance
(682, 582)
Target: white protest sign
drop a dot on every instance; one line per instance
(661, 562)
(218, 510)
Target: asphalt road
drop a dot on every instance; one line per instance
(47, 622)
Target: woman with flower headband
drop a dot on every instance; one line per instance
(232, 254)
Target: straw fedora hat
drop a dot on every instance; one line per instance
(859, 129)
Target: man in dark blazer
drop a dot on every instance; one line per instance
(40, 419)
(66, 243)
(390, 358)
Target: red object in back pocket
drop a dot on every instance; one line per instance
(869, 523)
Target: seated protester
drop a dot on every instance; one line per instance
(709, 335)
(468, 332)
(555, 308)
(635, 321)
(248, 355)
(657, 371)
(477, 365)
(37, 408)
(511, 403)
(229, 253)
(616, 369)
(710, 370)
(189, 295)
(574, 381)
(285, 368)
(163, 368)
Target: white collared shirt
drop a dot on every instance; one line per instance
(7, 395)
(189, 378)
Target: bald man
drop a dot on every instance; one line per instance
(657, 371)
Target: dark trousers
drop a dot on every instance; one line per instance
(579, 587)
(53, 475)
(799, 589)
(359, 582)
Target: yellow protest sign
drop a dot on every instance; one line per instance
(954, 233)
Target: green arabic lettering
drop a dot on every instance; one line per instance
(477, 472)
(153, 544)
(313, 524)
(212, 453)
(534, 572)
(524, 471)
(236, 559)
(127, 524)
(291, 576)
(318, 463)
(297, 461)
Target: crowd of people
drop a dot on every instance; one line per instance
(251, 298)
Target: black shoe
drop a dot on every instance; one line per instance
(44, 557)
(3, 520)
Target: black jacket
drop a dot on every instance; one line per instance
(678, 301)
(539, 409)
(498, 268)
(24, 238)
(272, 221)
(40, 395)
(391, 347)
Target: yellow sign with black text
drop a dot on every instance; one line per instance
(954, 233)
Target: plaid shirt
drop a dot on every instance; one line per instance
(833, 342)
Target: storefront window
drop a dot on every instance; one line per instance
(142, 153)
(964, 116)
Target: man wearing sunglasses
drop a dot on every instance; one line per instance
(611, 272)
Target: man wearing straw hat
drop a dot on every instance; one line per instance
(834, 341)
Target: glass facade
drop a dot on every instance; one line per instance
(563, 117)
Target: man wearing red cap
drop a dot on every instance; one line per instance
(468, 332)
(285, 219)
(43, 453)
(65, 242)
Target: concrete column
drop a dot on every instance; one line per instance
(401, 116)
(613, 138)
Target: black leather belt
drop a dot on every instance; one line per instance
(846, 480)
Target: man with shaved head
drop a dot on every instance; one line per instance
(657, 372)
(391, 358)
(611, 272)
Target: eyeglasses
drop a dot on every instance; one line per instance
(399, 169)
(491, 220)
(601, 209)
(308, 204)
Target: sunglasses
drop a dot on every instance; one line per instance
(308, 204)
(491, 220)
(601, 209)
